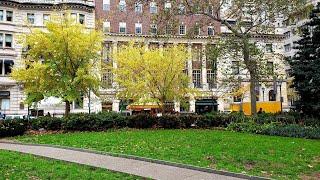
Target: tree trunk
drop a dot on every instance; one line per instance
(67, 108)
(251, 66)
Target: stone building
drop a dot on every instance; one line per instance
(123, 22)
(16, 18)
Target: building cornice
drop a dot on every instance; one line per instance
(26, 5)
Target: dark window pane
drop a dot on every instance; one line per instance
(1, 40)
(9, 15)
(8, 64)
(8, 40)
(1, 65)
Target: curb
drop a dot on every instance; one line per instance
(180, 165)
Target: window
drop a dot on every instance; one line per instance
(106, 5)
(269, 48)
(46, 18)
(235, 67)
(74, 17)
(237, 98)
(197, 54)
(1, 15)
(138, 28)
(182, 30)
(6, 67)
(210, 9)
(8, 40)
(122, 5)
(270, 67)
(5, 104)
(196, 78)
(210, 31)
(9, 15)
(138, 7)
(154, 29)
(107, 79)
(78, 104)
(167, 6)
(81, 18)
(287, 34)
(272, 95)
(1, 40)
(182, 9)
(106, 26)
(287, 47)
(30, 18)
(122, 27)
(211, 79)
(153, 8)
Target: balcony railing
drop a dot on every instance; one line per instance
(85, 2)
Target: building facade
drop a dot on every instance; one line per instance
(123, 22)
(18, 17)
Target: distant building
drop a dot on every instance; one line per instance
(123, 22)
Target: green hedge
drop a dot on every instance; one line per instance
(291, 125)
(12, 127)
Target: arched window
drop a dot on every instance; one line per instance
(272, 95)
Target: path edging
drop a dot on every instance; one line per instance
(163, 162)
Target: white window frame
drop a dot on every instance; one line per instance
(5, 40)
(138, 25)
(153, 8)
(122, 25)
(122, 6)
(106, 26)
(210, 28)
(31, 15)
(138, 7)
(45, 20)
(182, 31)
(106, 5)
(6, 16)
(167, 5)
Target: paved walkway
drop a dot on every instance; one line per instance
(130, 166)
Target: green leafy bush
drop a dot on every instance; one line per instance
(12, 127)
(141, 121)
(47, 123)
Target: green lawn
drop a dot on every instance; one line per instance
(14, 165)
(269, 156)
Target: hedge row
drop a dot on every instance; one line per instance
(283, 124)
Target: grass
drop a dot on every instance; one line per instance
(21, 166)
(269, 156)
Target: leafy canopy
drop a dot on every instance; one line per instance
(151, 75)
(60, 60)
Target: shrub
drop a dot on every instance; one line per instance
(277, 129)
(47, 123)
(169, 122)
(12, 127)
(141, 121)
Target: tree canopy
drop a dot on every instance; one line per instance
(151, 75)
(305, 66)
(60, 61)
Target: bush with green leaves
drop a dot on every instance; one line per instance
(13, 127)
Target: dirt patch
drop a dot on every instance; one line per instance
(249, 165)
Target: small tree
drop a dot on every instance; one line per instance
(61, 61)
(306, 66)
(151, 75)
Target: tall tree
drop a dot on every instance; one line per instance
(61, 61)
(243, 19)
(141, 78)
(306, 66)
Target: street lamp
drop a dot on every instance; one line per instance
(279, 83)
(263, 89)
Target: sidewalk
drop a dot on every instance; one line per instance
(119, 164)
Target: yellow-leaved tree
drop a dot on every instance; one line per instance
(61, 61)
(151, 75)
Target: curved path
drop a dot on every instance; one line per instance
(119, 164)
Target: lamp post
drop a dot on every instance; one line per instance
(89, 103)
(279, 83)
